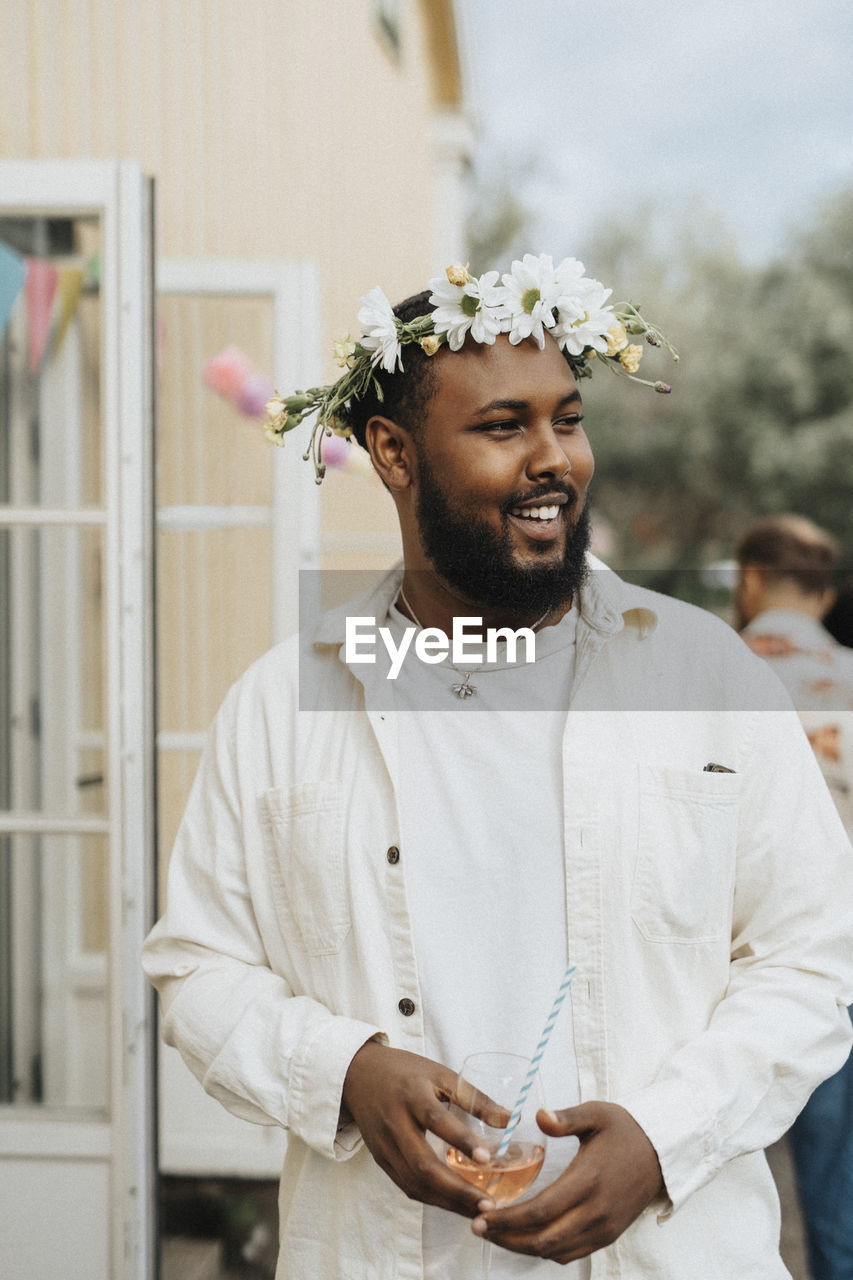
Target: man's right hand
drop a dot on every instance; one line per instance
(395, 1097)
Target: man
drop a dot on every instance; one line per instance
(784, 589)
(376, 877)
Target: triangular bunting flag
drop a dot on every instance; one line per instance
(70, 286)
(41, 282)
(13, 272)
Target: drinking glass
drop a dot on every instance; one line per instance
(486, 1092)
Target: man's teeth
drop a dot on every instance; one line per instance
(536, 513)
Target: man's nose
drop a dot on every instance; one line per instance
(547, 457)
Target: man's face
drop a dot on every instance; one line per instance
(503, 466)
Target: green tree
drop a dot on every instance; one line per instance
(500, 217)
(761, 415)
(760, 418)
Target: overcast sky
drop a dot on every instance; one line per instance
(745, 103)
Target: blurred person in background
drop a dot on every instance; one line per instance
(784, 591)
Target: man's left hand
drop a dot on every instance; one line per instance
(613, 1177)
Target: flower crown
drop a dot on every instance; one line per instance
(532, 297)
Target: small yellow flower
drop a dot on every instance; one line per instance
(344, 349)
(430, 344)
(272, 435)
(590, 353)
(339, 427)
(617, 338)
(457, 274)
(630, 358)
(276, 417)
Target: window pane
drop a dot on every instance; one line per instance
(208, 451)
(213, 613)
(51, 437)
(52, 670)
(53, 981)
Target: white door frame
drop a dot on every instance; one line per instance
(199, 1137)
(118, 193)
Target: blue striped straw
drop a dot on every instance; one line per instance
(535, 1061)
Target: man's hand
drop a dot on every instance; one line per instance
(614, 1175)
(395, 1097)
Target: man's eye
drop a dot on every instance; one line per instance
(570, 423)
(501, 428)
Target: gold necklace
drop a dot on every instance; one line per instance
(464, 688)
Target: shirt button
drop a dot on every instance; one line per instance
(393, 855)
(406, 1007)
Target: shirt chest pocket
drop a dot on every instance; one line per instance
(687, 844)
(304, 830)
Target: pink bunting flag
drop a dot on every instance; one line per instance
(40, 289)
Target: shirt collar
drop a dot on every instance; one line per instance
(801, 629)
(609, 604)
(375, 603)
(606, 603)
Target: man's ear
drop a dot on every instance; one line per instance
(752, 586)
(391, 451)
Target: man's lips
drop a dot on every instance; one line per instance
(539, 511)
(540, 518)
(540, 505)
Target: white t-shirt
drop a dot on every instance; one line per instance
(482, 838)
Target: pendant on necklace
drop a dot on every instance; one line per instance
(465, 689)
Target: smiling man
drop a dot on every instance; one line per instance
(376, 878)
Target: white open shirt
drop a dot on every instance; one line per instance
(710, 916)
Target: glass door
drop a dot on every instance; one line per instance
(76, 720)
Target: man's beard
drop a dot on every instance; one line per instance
(480, 563)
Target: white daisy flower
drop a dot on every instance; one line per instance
(570, 278)
(583, 320)
(531, 290)
(379, 326)
(473, 306)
